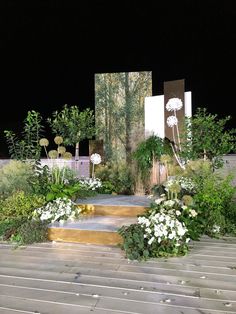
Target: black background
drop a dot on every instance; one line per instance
(50, 51)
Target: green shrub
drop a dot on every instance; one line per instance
(107, 188)
(20, 205)
(31, 231)
(15, 176)
(8, 227)
(134, 243)
(118, 175)
(213, 198)
(23, 231)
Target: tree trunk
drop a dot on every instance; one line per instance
(128, 118)
(77, 151)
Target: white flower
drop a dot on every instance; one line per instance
(60, 209)
(158, 201)
(172, 235)
(174, 104)
(181, 230)
(96, 159)
(169, 203)
(151, 240)
(90, 183)
(171, 121)
(178, 213)
(148, 230)
(192, 213)
(187, 184)
(216, 229)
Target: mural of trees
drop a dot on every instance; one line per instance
(119, 111)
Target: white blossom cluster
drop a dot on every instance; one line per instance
(91, 183)
(162, 226)
(168, 184)
(174, 104)
(60, 209)
(216, 229)
(95, 159)
(186, 184)
(171, 121)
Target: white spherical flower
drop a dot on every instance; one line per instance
(171, 121)
(95, 158)
(174, 104)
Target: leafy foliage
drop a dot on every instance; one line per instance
(26, 147)
(134, 243)
(118, 175)
(146, 153)
(207, 137)
(214, 195)
(16, 175)
(20, 204)
(31, 231)
(8, 227)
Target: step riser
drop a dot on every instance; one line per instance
(84, 236)
(126, 211)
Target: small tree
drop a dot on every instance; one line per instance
(73, 125)
(206, 137)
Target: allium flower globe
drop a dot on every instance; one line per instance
(171, 121)
(96, 159)
(174, 104)
(43, 142)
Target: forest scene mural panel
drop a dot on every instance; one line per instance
(119, 111)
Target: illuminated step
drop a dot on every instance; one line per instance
(117, 205)
(94, 230)
(116, 210)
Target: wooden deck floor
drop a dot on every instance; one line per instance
(61, 278)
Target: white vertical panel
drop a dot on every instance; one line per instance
(154, 116)
(188, 104)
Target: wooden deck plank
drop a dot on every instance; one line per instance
(49, 307)
(48, 295)
(50, 276)
(114, 264)
(107, 258)
(128, 300)
(117, 292)
(64, 246)
(117, 279)
(4, 310)
(123, 271)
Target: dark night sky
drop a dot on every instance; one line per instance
(50, 51)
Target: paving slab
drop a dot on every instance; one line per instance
(109, 199)
(100, 223)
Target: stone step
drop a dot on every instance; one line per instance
(110, 212)
(117, 210)
(117, 205)
(92, 230)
